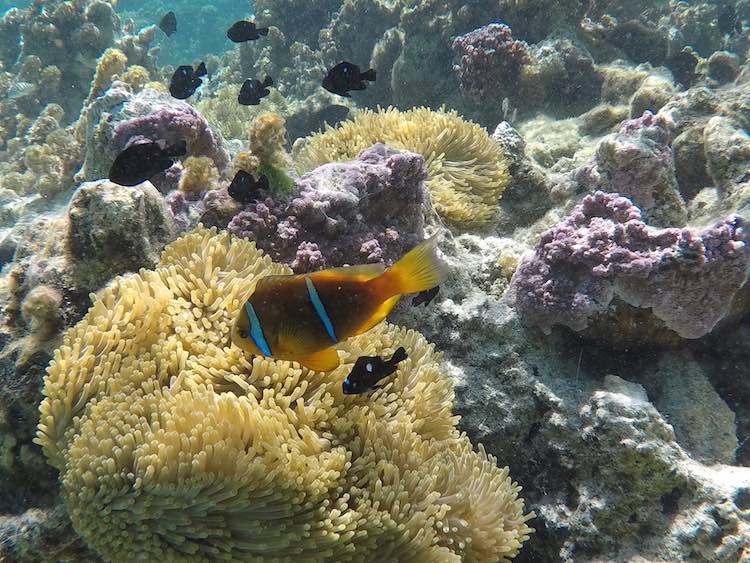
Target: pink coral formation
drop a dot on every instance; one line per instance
(638, 162)
(172, 124)
(366, 210)
(487, 57)
(603, 249)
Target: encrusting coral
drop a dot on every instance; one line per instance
(467, 170)
(267, 136)
(603, 249)
(111, 63)
(171, 444)
(198, 175)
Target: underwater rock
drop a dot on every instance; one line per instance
(119, 117)
(727, 150)
(115, 229)
(488, 56)
(704, 424)
(637, 162)
(653, 93)
(366, 210)
(603, 249)
(723, 66)
(606, 474)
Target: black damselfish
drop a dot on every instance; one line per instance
(424, 297)
(346, 76)
(185, 81)
(253, 90)
(244, 30)
(369, 370)
(142, 161)
(245, 188)
(168, 23)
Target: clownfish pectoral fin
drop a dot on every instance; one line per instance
(379, 314)
(324, 360)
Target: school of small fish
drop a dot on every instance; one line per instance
(298, 317)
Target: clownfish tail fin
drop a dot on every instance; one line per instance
(417, 270)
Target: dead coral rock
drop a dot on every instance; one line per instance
(119, 117)
(727, 149)
(637, 162)
(113, 229)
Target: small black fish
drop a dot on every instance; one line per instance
(245, 188)
(369, 370)
(168, 23)
(185, 81)
(244, 30)
(726, 18)
(346, 76)
(424, 297)
(142, 161)
(253, 90)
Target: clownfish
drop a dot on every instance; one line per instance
(301, 317)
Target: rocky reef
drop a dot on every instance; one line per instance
(586, 167)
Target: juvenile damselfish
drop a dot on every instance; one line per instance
(244, 30)
(301, 317)
(253, 90)
(369, 371)
(345, 77)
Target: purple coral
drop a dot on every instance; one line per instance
(487, 56)
(603, 249)
(366, 210)
(172, 123)
(637, 162)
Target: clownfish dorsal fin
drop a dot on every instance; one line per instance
(362, 272)
(323, 360)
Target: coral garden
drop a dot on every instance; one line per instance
(578, 390)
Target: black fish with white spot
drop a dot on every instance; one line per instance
(185, 81)
(346, 76)
(253, 90)
(245, 188)
(244, 30)
(168, 23)
(142, 161)
(368, 371)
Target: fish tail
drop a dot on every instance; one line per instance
(178, 149)
(369, 75)
(268, 81)
(418, 270)
(398, 356)
(263, 30)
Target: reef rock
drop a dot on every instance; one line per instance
(115, 229)
(688, 278)
(363, 211)
(590, 432)
(637, 162)
(118, 118)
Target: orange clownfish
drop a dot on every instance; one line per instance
(301, 317)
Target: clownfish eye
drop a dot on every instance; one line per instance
(242, 333)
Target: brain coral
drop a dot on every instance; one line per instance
(467, 170)
(171, 445)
